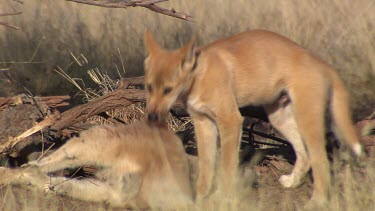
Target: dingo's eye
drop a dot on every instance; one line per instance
(167, 90)
(149, 87)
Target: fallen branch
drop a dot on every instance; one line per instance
(117, 98)
(55, 101)
(149, 4)
(124, 83)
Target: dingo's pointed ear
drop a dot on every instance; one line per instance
(150, 43)
(189, 49)
(190, 55)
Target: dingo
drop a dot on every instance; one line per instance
(142, 166)
(251, 68)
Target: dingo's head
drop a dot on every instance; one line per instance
(169, 74)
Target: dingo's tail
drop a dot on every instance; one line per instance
(340, 109)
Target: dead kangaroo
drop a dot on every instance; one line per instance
(142, 167)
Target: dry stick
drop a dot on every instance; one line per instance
(10, 14)
(137, 3)
(9, 26)
(282, 141)
(371, 116)
(40, 126)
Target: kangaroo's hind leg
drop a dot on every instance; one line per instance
(22, 176)
(119, 191)
(67, 156)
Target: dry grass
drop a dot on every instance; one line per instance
(341, 32)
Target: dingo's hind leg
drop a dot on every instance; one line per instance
(282, 118)
(309, 100)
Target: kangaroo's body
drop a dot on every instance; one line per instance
(142, 166)
(251, 68)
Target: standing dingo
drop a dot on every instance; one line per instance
(251, 68)
(142, 166)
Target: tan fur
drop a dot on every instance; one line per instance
(143, 166)
(251, 68)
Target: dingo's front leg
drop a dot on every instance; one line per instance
(206, 136)
(230, 129)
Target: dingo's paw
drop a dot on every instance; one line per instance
(289, 181)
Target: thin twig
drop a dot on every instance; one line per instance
(266, 136)
(10, 26)
(137, 3)
(21, 62)
(7, 24)
(10, 14)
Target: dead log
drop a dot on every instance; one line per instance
(117, 98)
(124, 83)
(55, 101)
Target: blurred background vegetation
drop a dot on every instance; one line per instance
(342, 32)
